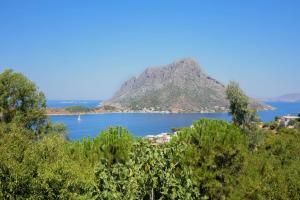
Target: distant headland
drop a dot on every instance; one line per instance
(289, 98)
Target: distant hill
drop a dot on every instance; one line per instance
(181, 86)
(295, 97)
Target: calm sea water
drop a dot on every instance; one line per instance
(141, 124)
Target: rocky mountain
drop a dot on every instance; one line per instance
(182, 86)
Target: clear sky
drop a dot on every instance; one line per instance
(86, 49)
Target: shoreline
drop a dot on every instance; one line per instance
(51, 112)
(101, 113)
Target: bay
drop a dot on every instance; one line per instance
(142, 124)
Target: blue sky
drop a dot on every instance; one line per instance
(86, 49)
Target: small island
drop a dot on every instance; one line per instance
(80, 110)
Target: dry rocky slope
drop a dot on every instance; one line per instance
(181, 86)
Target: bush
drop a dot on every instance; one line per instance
(292, 123)
(273, 125)
(114, 145)
(271, 172)
(177, 129)
(21, 102)
(109, 108)
(77, 109)
(215, 151)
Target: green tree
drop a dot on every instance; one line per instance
(40, 169)
(78, 109)
(118, 181)
(242, 115)
(271, 172)
(15, 178)
(114, 145)
(215, 151)
(117, 176)
(21, 102)
(54, 174)
(277, 118)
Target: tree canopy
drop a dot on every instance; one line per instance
(20, 101)
(241, 113)
(213, 159)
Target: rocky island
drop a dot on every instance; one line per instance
(182, 86)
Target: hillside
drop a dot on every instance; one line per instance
(182, 86)
(295, 97)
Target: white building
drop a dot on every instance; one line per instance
(286, 119)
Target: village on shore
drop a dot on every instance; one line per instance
(103, 110)
(287, 121)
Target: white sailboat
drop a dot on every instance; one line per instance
(78, 119)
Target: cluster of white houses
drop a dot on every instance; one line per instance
(166, 137)
(160, 138)
(286, 119)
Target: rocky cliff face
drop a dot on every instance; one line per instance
(181, 86)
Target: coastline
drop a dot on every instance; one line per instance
(99, 111)
(130, 112)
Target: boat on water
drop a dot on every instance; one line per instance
(78, 119)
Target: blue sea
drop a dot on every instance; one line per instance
(141, 124)
(67, 103)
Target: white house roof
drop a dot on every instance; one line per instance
(150, 136)
(290, 117)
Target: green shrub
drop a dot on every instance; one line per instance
(77, 109)
(215, 151)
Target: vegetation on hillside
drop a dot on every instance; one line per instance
(78, 109)
(213, 159)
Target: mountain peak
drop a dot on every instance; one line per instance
(181, 86)
(187, 61)
(184, 66)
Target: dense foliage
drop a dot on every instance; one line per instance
(242, 114)
(212, 159)
(21, 102)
